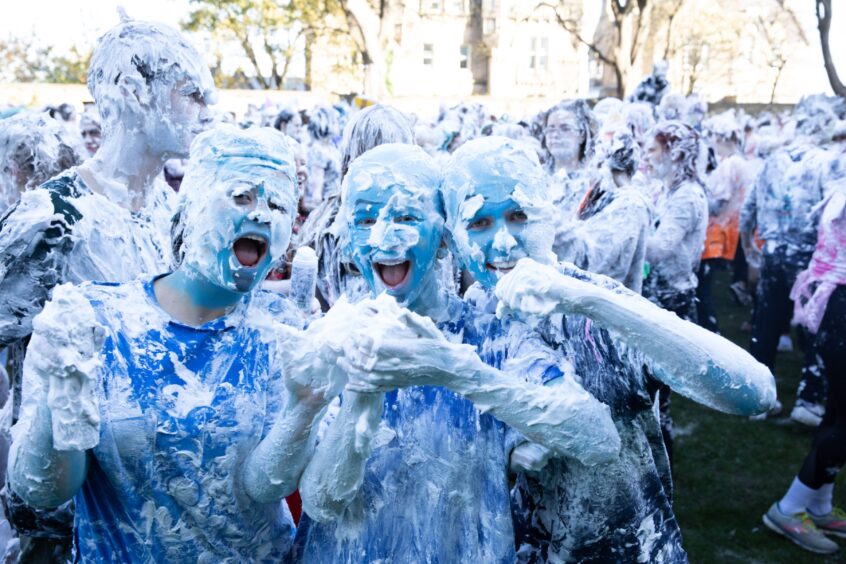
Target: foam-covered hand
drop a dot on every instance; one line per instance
(386, 359)
(537, 290)
(64, 354)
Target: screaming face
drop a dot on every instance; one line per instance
(241, 211)
(393, 219)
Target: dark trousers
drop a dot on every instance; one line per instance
(828, 452)
(705, 311)
(773, 311)
(682, 304)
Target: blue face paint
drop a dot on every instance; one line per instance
(394, 222)
(497, 207)
(498, 229)
(240, 203)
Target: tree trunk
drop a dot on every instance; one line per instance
(824, 24)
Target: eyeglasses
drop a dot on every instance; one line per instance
(563, 128)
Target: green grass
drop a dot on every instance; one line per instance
(729, 470)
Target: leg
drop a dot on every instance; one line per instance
(773, 309)
(706, 313)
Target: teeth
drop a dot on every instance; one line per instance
(392, 262)
(504, 265)
(255, 238)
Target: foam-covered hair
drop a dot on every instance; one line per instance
(390, 165)
(33, 148)
(682, 143)
(260, 150)
(623, 153)
(151, 52)
(323, 122)
(724, 125)
(491, 161)
(371, 127)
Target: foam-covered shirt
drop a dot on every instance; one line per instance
(619, 511)
(675, 245)
(181, 410)
(781, 201)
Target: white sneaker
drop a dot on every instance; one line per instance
(773, 411)
(785, 343)
(807, 413)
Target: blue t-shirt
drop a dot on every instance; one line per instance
(436, 493)
(181, 410)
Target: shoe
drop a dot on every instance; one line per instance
(740, 295)
(785, 344)
(807, 413)
(800, 529)
(832, 524)
(772, 412)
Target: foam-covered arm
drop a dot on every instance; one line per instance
(60, 411)
(335, 473)
(691, 360)
(570, 423)
(41, 475)
(273, 469)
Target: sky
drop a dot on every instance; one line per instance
(63, 23)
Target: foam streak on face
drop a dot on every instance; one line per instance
(240, 207)
(497, 209)
(393, 221)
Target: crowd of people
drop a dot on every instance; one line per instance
(482, 367)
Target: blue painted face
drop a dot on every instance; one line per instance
(241, 228)
(496, 233)
(395, 232)
(496, 203)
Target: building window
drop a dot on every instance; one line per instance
(489, 5)
(459, 6)
(428, 54)
(489, 26)
(431, 5)
(464, 57)
(539, 53)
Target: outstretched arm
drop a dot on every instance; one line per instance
(691, 360)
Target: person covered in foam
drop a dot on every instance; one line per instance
(569, 137)
(617, 345)
(371, 127)
(613, 223)
(163, 406)
(33, 148)
(413, 469)
(107, 219)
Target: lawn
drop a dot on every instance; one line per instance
(728, 470)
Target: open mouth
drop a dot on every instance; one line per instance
(501, 267)
(393, 273)
(249, 250)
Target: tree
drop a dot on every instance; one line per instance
(22, 60)
(618, 40)
(824, 25)
(267, 31)
(369, 24)
(780, 28)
